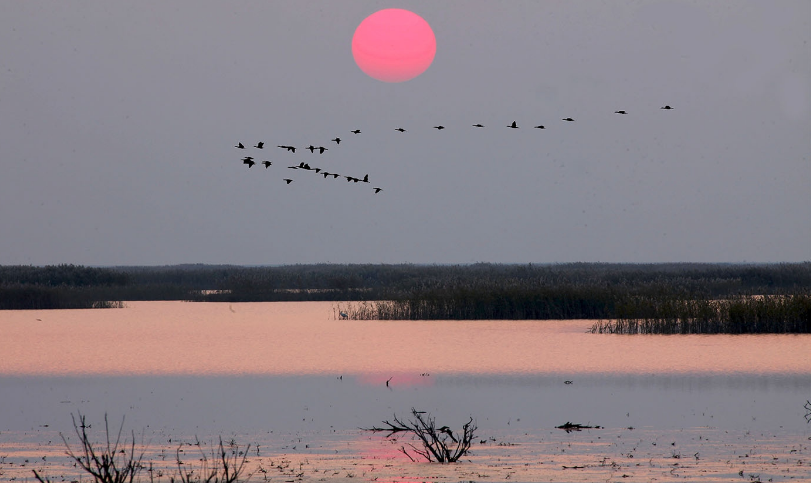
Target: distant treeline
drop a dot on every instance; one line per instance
(633, 294)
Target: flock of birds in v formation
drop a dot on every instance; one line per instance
(248, 160)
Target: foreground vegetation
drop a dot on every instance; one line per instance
(635, 298)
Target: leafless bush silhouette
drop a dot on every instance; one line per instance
(226, 465)
(108, 465)
(438, 444)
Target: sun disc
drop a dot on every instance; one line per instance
(393, 45)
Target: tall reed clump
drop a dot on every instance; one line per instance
(752, 314)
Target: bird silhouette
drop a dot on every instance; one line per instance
(365, 179)
(400, 129)
(337, 140)
(326, 174)
(377, 190)
(260, 145)
(247, 158)
(241, 146)
(288, 180)
(439, 128)
(293, 167)
(335, 175)
(249, 162)
(478, 125)
(311, 148)
(513, 125)
(568, 119)
(267, 164)
(356, 131)
(317, 170)
(620, 112)
(666, 107)
(540, 127)
(321, 149)
(289, 148)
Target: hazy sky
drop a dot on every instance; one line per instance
(118, 121)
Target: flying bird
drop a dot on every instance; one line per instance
(513, 125)
(666, 107)
(293, 167)
(337, 140)
(317, 170)
(321, 149)
(288, 180)
(311, 148)
(249, 162)
(289, 148)
(356, 131)
(400, 129)
(377, 190)
(365, 179)
(478, 125)
(568, 119)
(267, 164)
(540, 127)
(247, 158)
(240, 146)
(260, 145)
(439, 128)
(620, 112)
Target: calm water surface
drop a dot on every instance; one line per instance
(297, 382)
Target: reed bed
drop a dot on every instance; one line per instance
(753, 314)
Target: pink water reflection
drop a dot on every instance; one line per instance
(303, 338)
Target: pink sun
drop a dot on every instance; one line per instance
(393, 45)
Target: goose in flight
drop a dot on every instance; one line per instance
(321, 149)
(540, 127)
(478, 125)
(365, 179)
(439, 128)
(377, 190)
(289, 148)
(288, 180)
(267, 164)
(568, 119)
(249, 162)
(317, 170)
(311, 148)
(620, 112)
(337, 140)
(513, 125)
(241, 146)
(260, 145)
(400, 129)
(356, 131)
(292, 167)
(666, 107)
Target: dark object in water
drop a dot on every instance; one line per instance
(569, 427)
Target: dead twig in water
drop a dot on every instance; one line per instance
(438, 444)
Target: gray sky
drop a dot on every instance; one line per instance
(118, 121)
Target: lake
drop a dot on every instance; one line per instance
(296, 384)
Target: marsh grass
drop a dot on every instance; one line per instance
(752, 314)
(226, 465)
